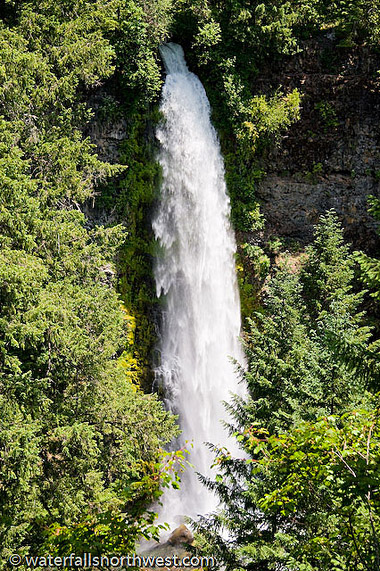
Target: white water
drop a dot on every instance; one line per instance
(196, 273)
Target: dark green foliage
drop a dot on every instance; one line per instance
(142, 27)
(298, 500)
(305, 500)
(80, 444)
(293, 368)
(371, 266)
(328, 272)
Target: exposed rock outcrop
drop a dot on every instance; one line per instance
(181, 535)
(176, 544)
(331, 157)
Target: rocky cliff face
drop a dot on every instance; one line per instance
(330, 158)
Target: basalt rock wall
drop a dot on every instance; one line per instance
(330, 158)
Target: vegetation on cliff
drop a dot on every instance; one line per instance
(307, 498)
(80, 442)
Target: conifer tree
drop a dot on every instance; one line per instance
(286, 505)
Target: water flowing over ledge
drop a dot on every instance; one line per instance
(195, 272)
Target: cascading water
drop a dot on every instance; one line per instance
(196, 274)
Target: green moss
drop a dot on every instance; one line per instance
(327, 114)
(313, 176)
(137, 192)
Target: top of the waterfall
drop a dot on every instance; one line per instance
(173, 58)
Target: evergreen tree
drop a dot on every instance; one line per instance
(80, 444)
(297, 502)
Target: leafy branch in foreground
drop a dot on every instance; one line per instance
(307, 499)
(115, 531)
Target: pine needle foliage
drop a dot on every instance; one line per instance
(304, 495)
(79, 442)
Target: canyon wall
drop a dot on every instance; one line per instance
(330, 158)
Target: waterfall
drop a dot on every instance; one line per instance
(195, 272)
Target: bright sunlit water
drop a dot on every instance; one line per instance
(195, 272)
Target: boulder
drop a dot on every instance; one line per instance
(181, 535)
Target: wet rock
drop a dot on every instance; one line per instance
(181, 535)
